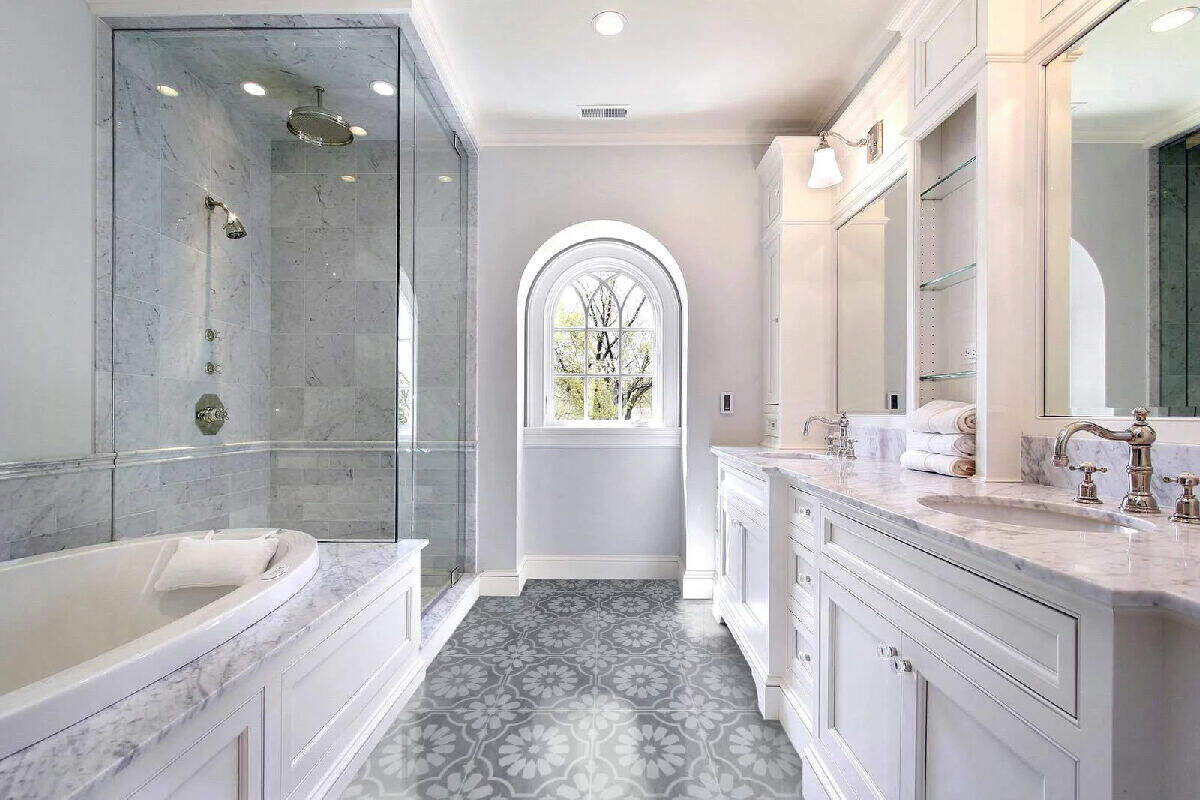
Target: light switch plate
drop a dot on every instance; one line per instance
(726, 402)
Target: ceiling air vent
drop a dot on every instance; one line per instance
(603, 112)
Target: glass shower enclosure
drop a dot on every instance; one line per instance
(288, 289)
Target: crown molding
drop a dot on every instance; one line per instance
(616, 138)
(291, 8)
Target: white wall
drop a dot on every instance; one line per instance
(46, 228)
(602, 501)
(701, 203)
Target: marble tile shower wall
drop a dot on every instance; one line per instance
(333, 337)
(175, 274)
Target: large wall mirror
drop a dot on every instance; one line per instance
(872, 291)
(1122, 216)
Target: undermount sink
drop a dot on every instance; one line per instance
(1034, 514)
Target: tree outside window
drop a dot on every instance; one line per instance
(603, 360)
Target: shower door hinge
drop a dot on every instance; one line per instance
(455, 574)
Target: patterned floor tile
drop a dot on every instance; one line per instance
(584, 690)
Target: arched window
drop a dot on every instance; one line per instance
(603, 347)
(603, 340)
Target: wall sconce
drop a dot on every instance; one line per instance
(825, 172)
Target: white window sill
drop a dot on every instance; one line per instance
(568, 436)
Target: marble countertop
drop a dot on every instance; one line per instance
(1156, 567)
(74, 761)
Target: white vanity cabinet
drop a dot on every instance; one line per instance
(905, 671)
(796, 257)
(741, 596)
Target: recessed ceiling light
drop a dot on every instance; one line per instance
(167, 91)
(256, 89)
(358, 130)
(609, 23)
(445, 179)
(383, 87)
(1174, 19)
(349, 178)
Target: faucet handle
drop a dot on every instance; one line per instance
(1187, 507)
(1087, 490)
(1185, 479)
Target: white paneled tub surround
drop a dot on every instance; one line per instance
(82, 628)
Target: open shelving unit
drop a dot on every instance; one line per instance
(946, 263)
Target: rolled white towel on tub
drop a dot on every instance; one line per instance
(954, 466)
(216, 562)
(948, 444)
(943, 416)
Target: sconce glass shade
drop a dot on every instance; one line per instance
(825, 172)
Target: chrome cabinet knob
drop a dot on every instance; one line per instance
(886, 651)
(902, 665)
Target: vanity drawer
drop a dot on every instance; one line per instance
(802, 510)
(1030, 642)
(802, 582)
(802, 661)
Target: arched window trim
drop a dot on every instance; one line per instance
(545, 284)
(561, 284)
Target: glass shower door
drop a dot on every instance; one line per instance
(439, 288)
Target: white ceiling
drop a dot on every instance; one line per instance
(714, 71)
(1131, 85)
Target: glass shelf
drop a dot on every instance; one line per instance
(949, 376)
(948, 279)
(957, 178)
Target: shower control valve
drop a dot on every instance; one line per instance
(212, 368)
(211, 414)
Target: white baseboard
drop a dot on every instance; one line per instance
(697, 584)
(500, 583)
(437, 640)
(509, 583)
(601, 567)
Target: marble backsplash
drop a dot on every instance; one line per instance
(1169, 459)
(873, 443)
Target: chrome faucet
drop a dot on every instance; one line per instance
(836, 444)
(1139, 436)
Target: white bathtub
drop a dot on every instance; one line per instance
(80, 629)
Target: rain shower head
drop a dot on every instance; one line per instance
(315, 125)
(233, 226)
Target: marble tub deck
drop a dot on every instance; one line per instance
(77, 759)
(1157, 567)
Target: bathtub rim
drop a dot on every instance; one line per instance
(46, 706)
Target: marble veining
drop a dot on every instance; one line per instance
(75, 761)
(1157, 567)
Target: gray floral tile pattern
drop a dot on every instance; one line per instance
(584, 690)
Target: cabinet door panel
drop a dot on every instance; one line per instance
(224, 764)
(967, 742)
(861, 692)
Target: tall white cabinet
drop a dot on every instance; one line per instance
(799, 345)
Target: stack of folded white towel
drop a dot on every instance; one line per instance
(941, 438)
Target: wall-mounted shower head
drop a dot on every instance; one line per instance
(233, 226)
